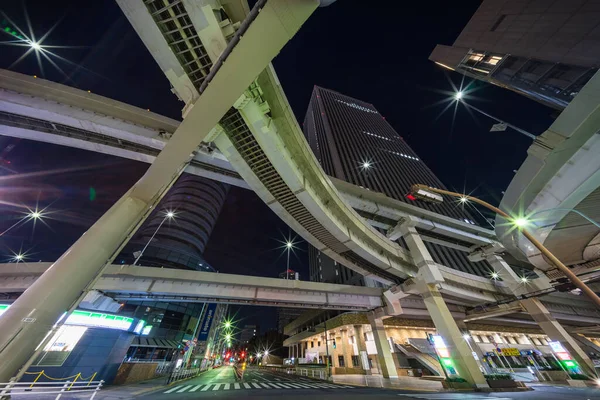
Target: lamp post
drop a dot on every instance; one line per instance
(427, 193)
(288, 246)
(168, 216)
(459, 97)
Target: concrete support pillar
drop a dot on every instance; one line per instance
(384, 354)
(461, 355)
(361, 346)
(426, 282)
(513, 281)
(556, 332)
(346, 348)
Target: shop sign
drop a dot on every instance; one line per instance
(509, 351)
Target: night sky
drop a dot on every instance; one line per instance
(374, 51)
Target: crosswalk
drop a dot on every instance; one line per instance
(452, 396)
(211, 387)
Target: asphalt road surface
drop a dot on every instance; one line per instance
(221, 383)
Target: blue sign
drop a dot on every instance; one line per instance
(207, 322)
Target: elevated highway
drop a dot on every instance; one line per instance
(37, 109)
(127, 282)
(558, 189)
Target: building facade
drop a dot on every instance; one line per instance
(353, 142)
(545, 50)
(247, 333)
(349, 341)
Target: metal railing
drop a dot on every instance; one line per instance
(312, 373)
(182, 373)
(48, 389)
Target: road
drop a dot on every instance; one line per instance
(220, 383)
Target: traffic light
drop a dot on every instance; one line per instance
(334, 344)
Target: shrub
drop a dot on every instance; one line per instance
(498, 377)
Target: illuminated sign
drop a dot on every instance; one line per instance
(563, 356)
(557, 347)
(139, 326)
(92, 319)
(87, 318)
(510, 351)
(146, 330)
(207, 322)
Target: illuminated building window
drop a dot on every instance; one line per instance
(377, 136)
(494, 60)
(357, 106)
(476, 57)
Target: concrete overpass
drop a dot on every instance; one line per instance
(558, 186)
(37, 109)
(127, 282)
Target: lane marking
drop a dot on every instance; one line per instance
(265, 385)
(256, 385)
(227, 386)
(247, 385)
(183, 389)
(173, 389)
(236, 385)
(217, 386)
(285, 385)
(205, 388)
(195, 388)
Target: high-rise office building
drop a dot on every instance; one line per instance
(247, 333)
(353, 142)
(179, 242)
(545, 50)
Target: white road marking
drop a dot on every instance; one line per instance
(183, 389)
(247, 386)
(205, 388)
(236, 385)
(256, 385)
(266, 386)
(173, 389)
(195, 388)
(217, 386)
(227, 386)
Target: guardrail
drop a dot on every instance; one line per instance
(50, 388)
(312, 373)
(182, 373)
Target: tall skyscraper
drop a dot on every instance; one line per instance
(353, 142)
(180, 241)
(545, 50)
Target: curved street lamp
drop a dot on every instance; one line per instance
(425, 192)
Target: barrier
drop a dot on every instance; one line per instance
(182, 373)
(36, 389)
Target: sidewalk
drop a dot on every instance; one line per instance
(402, 382)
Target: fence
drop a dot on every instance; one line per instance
(312, 373)
(36, 389)
(182, 373)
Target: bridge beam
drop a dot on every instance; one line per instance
(26, 323)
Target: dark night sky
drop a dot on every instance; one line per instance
(376, 52)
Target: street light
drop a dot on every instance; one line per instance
(459, 97)
(168, 216)
(35, 46)
(430, 193)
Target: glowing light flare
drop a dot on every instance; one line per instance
(35, 46)
(170, 214)
(495, 276)
(464, 199)
(524, 279)
(521, 222)
(458, 95)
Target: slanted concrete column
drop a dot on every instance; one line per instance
(556, 332)
(513, 281)
(428, 277)
(384, 354)
(361, 346)
(461, 355)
